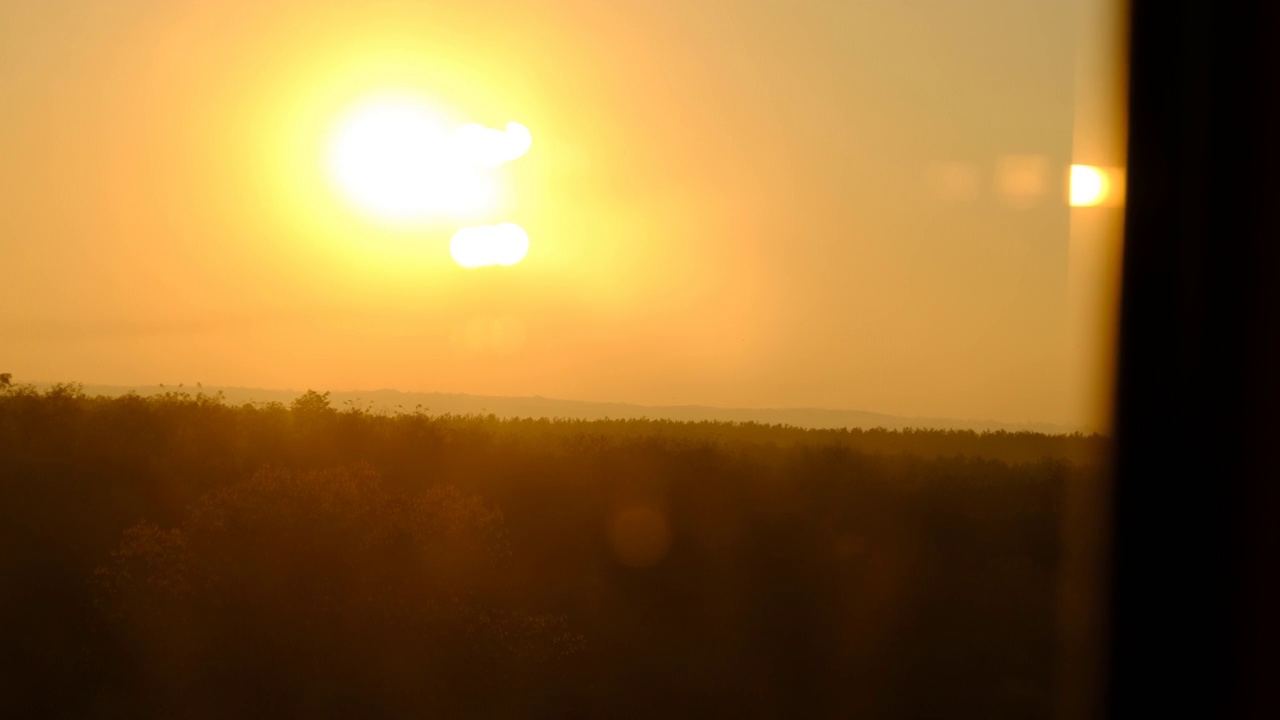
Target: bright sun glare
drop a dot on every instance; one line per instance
(1089, 185)
(396, 160)
(504, 244)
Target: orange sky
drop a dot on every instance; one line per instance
(853, 205)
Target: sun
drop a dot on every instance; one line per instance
(396, 160)
(485, 245)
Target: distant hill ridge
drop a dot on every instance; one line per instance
(540, 407)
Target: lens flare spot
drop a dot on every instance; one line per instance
(489, 335)
(484, 245)
(1021, 179)
(640, 537)
(1089, 185)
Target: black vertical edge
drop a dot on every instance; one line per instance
(1194, 605)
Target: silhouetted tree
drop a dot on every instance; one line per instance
(311, 403)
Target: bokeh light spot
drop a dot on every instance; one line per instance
(640, 537)
(1022, 179)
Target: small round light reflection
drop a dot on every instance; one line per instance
(1090, 186)
(640, 537)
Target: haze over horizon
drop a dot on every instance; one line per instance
(393, 401)
(854, 206)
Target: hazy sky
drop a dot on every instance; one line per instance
(853, 204)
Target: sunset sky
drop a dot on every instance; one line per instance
(746, 203)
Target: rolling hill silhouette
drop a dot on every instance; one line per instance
(536, 407)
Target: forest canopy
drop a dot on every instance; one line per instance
(175, 552)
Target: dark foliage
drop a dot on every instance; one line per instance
(175, 556)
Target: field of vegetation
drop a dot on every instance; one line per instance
(178, 556)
